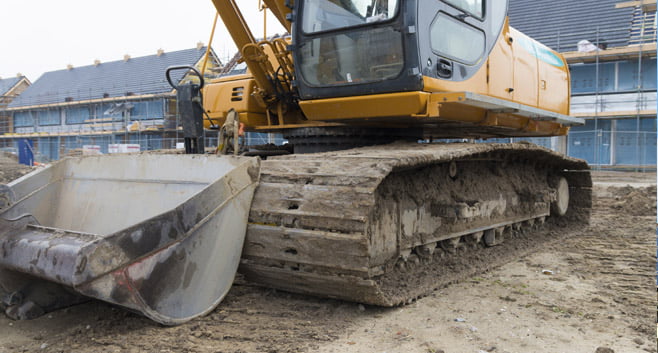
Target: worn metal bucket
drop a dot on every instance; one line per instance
(158, 234)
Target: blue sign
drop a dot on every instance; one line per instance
(26, 152)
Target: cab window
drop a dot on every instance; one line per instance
(456, 40)
(473, 7)
(326, 15)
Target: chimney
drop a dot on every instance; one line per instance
(19, 75)
(160, 52)
(126, 57)
(97, 62)
(69, 67)
(199, 45)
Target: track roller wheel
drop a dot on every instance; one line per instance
(494, 236)
(450, 245)
(560, 206)
(474, 239)
(426, 251)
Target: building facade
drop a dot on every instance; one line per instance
(10, 88)
(127, 101)
(610, 46)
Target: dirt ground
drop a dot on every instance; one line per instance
(10, 169)
(585, 290)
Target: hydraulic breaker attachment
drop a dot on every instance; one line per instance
(157, 234)
(189, 103)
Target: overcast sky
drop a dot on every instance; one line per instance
(38, 36)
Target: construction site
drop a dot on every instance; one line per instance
(599, 293)
(390, 177)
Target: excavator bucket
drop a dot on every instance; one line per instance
(154, 233)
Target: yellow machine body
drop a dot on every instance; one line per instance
(521, 89)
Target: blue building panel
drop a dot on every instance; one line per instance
(47, 117)
(630, 72)
(649, 74)
(77, 115)
(583, 78)
(261, 138)
(108, 111)
(591, 142)
(48, 148)
(151, 109)
(147, 142)
(70, 143)
(23, 119)
(104, 142)
(635, 143)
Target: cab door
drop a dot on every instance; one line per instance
(457, 36)
(500, 64)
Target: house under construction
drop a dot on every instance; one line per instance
(126, 101)
(611, 48)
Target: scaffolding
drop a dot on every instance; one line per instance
(620, 104)
(68, 128)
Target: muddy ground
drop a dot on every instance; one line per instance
(586, 289)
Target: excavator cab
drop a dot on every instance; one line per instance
(357, 47)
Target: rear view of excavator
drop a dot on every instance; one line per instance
(363, 204)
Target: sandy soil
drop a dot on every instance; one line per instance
(586, 289)
(10, 169)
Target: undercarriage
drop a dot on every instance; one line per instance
(381, 225)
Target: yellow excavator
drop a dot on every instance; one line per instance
(363, 203)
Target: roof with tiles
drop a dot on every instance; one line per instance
(561, 24)
(7, 84)
(134, 76)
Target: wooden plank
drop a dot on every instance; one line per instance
(647, 5)
(610, 114)
(631, 51)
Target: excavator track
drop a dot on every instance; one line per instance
(387, 224)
